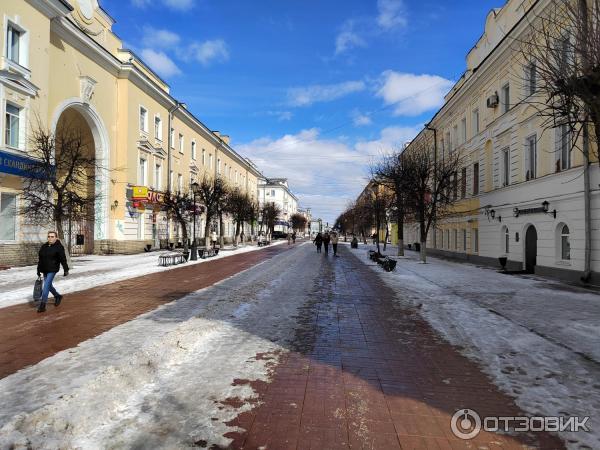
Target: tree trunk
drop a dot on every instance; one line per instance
(387, 234)
(400, 236)
(207, 231)
(423, 235)
(61, 236)
(221, 227)
(184, 233)
(237, 232)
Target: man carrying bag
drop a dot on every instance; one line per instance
(51, 257)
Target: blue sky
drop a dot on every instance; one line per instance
(310, 90)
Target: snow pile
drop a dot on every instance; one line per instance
(161, 379)
(520, 329)
(16, 284)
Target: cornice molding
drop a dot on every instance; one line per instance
(52, 8)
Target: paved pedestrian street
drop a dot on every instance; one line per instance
(280, 348)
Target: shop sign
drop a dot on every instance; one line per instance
(21, 166)
(139, 193)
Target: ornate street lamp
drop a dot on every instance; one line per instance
(194, 250)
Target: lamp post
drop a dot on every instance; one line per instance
(194, 250)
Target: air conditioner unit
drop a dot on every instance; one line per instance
(493, 100)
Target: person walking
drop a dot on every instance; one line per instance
(50, 257)
(334, 243)
(289, 237)
(326, 239)
(213, 238)
(318, 242)
(294, 237)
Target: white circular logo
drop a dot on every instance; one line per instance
(465, 424)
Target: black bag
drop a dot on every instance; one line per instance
(37, 289)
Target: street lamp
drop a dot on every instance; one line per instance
(194, 251)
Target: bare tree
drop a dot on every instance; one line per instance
(363, 214)
(179, 206)
(434, 184)
(60, 186)
(212, 193)
(240, 206)
(298, 222)
(270, 213)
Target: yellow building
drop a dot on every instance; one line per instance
(61, 62)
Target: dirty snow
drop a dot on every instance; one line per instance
(537, 339)
(158, 380)
(16, 284)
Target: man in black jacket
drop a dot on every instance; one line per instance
(51, 257)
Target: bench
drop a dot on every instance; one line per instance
(170, 259)
(388, 264)
(263, 243)
(209, 252)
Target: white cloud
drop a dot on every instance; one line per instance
(306, 96)
(413, 94)
(325, 173)
(160, 62)
(208, 52)
(159, 38)
(360, 119)
(181, 5)
(392, 14)
(348, 39)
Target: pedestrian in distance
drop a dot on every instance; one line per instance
(289, 238)
(326, 240)
(294, 237)
(213, 238)
(318, 242)
(50, 257)
(334, 243)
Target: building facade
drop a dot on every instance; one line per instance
(61, 64)
(520, 192)
(276, 190)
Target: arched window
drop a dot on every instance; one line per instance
(565, 244)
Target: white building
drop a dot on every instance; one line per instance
(276, 190)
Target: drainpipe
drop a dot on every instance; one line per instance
(587, 274)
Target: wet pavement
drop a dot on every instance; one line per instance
(28, 337)
(365, 373)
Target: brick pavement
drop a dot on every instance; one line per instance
(365, 373)
(27, 337)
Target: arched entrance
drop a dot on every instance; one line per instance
(81, 120)
(530, 249)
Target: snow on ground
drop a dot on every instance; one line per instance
(537, 339)
(158, 380)
(16, 284)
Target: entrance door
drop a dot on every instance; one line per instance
(530, 249)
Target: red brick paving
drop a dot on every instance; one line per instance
(27, 337)
(366, 374)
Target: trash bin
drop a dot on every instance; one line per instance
(417, 247)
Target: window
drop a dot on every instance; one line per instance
(448, 239)
(506, 166)
(172, 138)
(464, 240)
(455, 137)
(142, 172)
(157, 128)
(563, 147)
(530, 79)
(531, 157)
(143, 119)
(11, 137)
(210, 159)
(463, 183)
(475, 240)
(180, 143)
(448, 141)
(272, 192)
(476, 179)
(230, 172)
(8, 216)
(193, 150)
(203, 157)
(14, 39)
(463, 130)
(565, 244)
(455, 239)
(179, 182)
(157, 176)
(219, 165)
(505, 240)
(475, 124)
(455, 186)
(171, 181)
(505, 98)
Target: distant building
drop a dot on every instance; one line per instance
(276, 190)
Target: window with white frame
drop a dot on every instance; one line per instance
(448, 239)
(142, 172)
(455, 239)
(172, 138)
(530, 79)
(455, 141)
(157, 176)
(475, 120)
(448, 141)
(563, 147)
(179, 182)
(193, 150)
(181, 143)
(171, 181)
(8, 216)
(143, 119)
(203, 157)
(463, 130)
(506, 166)
(476, 179)
(12, 126)
(210, 160)
(475, 240)
(565, 243)
(219, 166)
(15, 44)
(464, 240)
(157, 128)
(531, 157)
(506, 98)
(505, 240)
